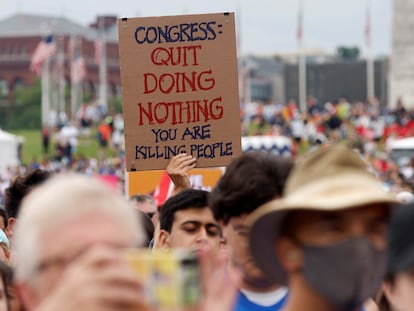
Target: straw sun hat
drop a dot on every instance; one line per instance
(329, 179)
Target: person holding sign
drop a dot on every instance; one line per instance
(178, 168)
(187, 221)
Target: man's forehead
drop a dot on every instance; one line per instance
(201, 214)
(88, 229)
(239, 221)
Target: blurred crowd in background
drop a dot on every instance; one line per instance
(366, 126)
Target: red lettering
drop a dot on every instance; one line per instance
(179, 82)
(158, 115)
(194, 50)
(178, 112)
(160, 56)
(207, 83)
(216, 110)
(154, 79)
(147, 113)
(174, 56)
(166, 83)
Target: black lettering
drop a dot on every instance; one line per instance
(174, 33)
(139, 29)
(211, 30)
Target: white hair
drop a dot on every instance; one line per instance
(59, 199)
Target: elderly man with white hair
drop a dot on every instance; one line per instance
(70, 243)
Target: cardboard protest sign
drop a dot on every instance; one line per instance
(179, 89)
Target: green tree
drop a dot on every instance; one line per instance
(24, 112)
(348, 52)
(115, 104)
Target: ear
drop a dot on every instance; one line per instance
(10, 227)
(27, 296)
(289, 254)
(163, 239)
(388, 291)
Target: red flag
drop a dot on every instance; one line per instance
(163, 190)
(98, 51)
(78, 69)
(367, 29)
(299, 25)
(44, 50)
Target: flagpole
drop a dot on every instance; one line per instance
(103, 101)
(73, 84)
(248, 84)
(61, 74)
(239, 31)
(302, 61)
(370, 59)
(45, 81)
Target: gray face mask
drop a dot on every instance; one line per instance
(345, 274)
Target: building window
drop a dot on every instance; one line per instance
(14, 51)
(5, 50)
(18, 83)
(261, 91)
(4, 88)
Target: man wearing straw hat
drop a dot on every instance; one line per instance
(326, 239)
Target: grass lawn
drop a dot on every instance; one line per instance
(32, 146)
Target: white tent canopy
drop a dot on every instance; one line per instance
(8, 149)
(280, 145)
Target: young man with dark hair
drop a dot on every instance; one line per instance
(187, 221)
(18, 189)
(250, 180)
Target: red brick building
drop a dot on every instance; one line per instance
(21, 33)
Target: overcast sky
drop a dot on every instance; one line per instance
(266, 26)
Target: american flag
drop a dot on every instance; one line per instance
(44, 50)
(367, 29)
(78, 69)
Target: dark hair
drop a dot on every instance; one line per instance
(147, 225)
(381, 299)
(142, 198)
(190, 198)
(6, 273)
(251, 180)
(3, 214)
(20, 187)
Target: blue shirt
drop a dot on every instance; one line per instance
(244, 304)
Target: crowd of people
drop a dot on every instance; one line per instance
(275, 233)
(326, 229)
(368, 127)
